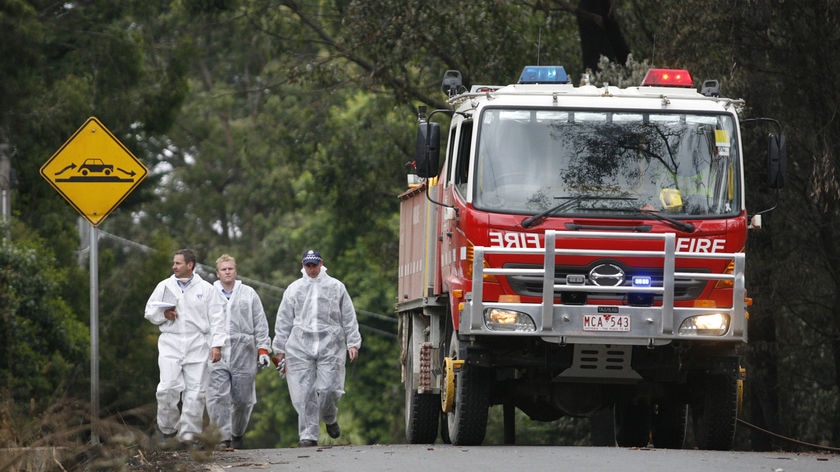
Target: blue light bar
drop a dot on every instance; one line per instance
(543, 75)
(641, 281)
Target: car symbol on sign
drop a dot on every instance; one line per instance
(95, 165)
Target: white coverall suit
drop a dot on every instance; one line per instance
(316, 324)
(231, 393)
(184, 351)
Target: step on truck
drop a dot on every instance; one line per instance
(578, 251)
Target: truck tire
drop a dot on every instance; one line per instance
(715, 419)
(468, 420)
(444, 429)
(670, 418)
(422, 410)
(632, 424)
(602, 428)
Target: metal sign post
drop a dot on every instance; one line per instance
(94, 335)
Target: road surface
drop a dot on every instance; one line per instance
(439, 458)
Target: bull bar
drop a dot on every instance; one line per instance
(562, 323)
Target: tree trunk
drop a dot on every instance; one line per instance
(600, 34)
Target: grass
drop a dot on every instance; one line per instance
(59, 439)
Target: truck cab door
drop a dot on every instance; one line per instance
(456, 190)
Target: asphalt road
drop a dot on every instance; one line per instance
(439, 458)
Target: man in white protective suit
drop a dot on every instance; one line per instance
(315, 330)
(190, 315)
(231, 393)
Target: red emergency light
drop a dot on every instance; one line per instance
(668, 78)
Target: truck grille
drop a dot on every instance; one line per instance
(531, 286)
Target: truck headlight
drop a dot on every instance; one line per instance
(498, 319)
(713, 324)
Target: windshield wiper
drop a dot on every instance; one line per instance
(680, 225)
(572, 201)
(569, 203)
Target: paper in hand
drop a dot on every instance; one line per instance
(164, 305)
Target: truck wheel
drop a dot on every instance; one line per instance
(632, 424)
(714, 423)
(422, 410)
(468, 420)
(669, 424)
(443, 352)
(602, 427)
(444, 429)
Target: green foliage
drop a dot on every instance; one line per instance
(408, 47)
(565, 431)
(274, 421)
(629, 74)
(45, 340)
(371, 409)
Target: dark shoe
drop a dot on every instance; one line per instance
(333, 430)
(224, 446)
(238, 442)
(307, 443)
(168, 441)
(181, 445)
(195, 444)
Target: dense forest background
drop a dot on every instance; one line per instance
(272, 126)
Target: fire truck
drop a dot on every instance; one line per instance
(578, 251)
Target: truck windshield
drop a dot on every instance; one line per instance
(531, 160)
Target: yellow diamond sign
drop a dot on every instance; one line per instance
(94, 171)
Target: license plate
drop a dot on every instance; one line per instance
(606, 322)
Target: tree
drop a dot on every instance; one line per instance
(44, 339)
(600, 33)
(758, 54)
(78, 59)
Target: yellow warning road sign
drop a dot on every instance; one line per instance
(94, 171)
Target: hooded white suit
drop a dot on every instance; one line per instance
(184, 350)
(316, 324)
(231, 394)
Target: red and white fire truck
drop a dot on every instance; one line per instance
(578, 252)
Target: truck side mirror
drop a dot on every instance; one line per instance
(776, 160)
(427, 152)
